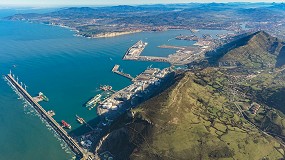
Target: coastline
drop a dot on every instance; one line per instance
(114, 34)
(100, 35)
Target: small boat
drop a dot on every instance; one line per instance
(51, 113)
(106, 87)
(79, 119)
(43, 97)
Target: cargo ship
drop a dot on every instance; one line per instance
(65, 125)
(93, 100)
(79, 119)
(106, 87)
(43, 97)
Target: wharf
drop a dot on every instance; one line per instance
(172, 47)
(80, 153)
(133, 53)
(115, 70)
(153, 59)
(143, 86)
(135, 50)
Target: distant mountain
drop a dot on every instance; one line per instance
(79, 9)
(257, 50)
(128, 8)
(279, 6)
(91, 22)
(75, 12)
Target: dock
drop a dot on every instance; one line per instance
(134, 53)
(171, 47)
(143, 85)
(135, 50)
(153, 59)
(116, 70)
(72, 144)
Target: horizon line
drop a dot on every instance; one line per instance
(119, 4)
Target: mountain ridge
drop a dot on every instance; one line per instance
(194, 125)
(256, 50)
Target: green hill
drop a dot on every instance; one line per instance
(190, 120)
(257, 50)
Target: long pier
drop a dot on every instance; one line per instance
(59, 130)
(171, 47)
(116, 70)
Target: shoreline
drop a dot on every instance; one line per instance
(99, 35)
(114, 34)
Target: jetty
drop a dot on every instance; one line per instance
(72, 144)
(116, 70)
(171, 47)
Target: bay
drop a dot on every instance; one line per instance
(68, 70)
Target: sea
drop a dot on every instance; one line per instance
(69, 71)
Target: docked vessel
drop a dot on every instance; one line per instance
(79, 119)
(43, 97)
(65, 125)
(105, 87)
(94, 100)
(51, 113)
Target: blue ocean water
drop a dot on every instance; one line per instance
(68, 70)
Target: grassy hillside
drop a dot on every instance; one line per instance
(258, 50)
(191, 120)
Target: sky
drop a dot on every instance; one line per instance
(48, 3)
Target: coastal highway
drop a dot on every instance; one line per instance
(59, 130)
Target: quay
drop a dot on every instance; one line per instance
(143, 86)
(116, 70)
(135, 50)
(171, 47)
(73, 145)
(153, 59)
(133, 53)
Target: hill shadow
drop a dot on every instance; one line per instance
(281, 58)
(83, 129)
